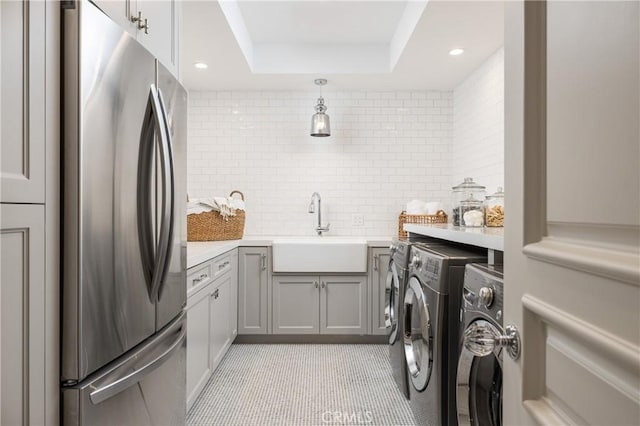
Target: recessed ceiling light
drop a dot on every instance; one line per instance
(456, 52)
(201, 65)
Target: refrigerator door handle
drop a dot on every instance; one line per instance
(150, 126)
(120, 384)
(154, 257)
(169, 181)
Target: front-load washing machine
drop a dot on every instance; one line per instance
(394, 295)
(479, 378)
(394, 291)
(431, 329)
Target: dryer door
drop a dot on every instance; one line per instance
(418, 336)
(479, 385)
(392, 294)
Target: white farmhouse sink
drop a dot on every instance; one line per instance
(319, 254)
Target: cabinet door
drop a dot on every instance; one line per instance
(233, 304)
(380, 267)
(343, 304)
(296, 300)
(22, 107)
(161, 36)
(253, 290)
(198, 343)
(121, 11)
(220, 299)
(22, 314)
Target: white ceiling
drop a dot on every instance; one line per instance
(326, 21)
(337, 40)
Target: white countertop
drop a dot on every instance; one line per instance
(491, 238)
(198, 252)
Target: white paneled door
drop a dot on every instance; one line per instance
(572, 263)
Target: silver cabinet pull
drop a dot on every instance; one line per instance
(202, 277)
(324, 284)
(315, 283)
(223, 265)
(216, 293)
(264, 262)
(138, 20)
(375, 262)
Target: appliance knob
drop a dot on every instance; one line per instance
(393, 248)
(486, 296)
(415, 262)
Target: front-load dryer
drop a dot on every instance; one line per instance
(479, 378)
(431, 329)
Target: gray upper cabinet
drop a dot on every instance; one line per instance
(343, 304)
(120, 11)
(154, 23)
(380, 258)
(22, 111)
(295, 304)
(253, 290)
(22, 315)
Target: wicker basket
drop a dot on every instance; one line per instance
(211, 226)
(422, 219)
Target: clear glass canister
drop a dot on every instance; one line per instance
(462, 192)
(494, 209)
(472, 213)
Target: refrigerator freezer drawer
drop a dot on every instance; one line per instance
(145, 387)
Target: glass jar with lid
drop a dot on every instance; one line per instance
(471, 213)
(462, 192)
(494, 209)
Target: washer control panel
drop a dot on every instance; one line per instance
(483, 290)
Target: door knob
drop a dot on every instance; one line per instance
(481, 341)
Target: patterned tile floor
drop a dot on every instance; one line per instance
(302, 385)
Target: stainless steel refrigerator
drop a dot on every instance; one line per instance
(124, 229)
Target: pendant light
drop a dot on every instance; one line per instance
(320, 121)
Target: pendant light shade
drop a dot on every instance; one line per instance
(320, 126)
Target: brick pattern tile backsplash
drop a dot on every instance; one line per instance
(478, 125)
(385, 149)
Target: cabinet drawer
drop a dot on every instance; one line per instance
(199, 276)
(221, 265)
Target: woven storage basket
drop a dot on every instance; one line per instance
(211, 226)
(422, 219)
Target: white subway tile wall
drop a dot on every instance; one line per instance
(385, 149)
(478, 125)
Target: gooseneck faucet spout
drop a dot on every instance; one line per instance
(315, 198)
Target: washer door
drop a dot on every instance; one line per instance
(418, 338)
(391, 296)
(479, 386)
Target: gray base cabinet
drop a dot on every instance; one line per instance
(296, 302)
(325, 304)
(253, 290)
(380, 258)
(220, 300)
(22, 314)
(343, 305)
(211, 318)
(233, 304)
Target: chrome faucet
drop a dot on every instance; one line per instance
(315, 197)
